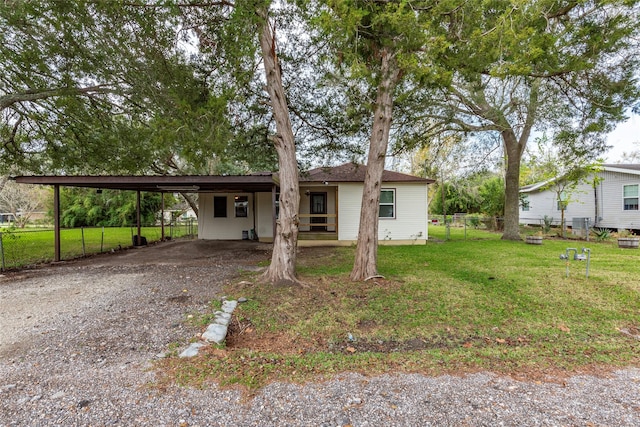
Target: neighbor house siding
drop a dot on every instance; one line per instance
(545, 203)
(612, 213)
(229, 228)
(605, 210)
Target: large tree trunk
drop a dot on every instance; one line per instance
(514, 148)
(366, 261)
(283, 261)
(513, 151)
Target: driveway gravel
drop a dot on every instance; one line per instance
(77, 341)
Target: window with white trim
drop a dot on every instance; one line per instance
(630, 197)
(562, 202)
(524, 202)
(387, 203)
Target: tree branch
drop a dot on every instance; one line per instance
(38, 94)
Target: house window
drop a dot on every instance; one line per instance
(630, 197)
(220, 206)
(242, 206)
(562, 202)
(387, 203)
(524, 202)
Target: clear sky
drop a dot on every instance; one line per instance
(626, 137)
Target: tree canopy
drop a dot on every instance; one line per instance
(567, 68)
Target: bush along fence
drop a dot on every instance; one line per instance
(20, 248)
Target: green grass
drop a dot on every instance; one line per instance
(459, 306)
(26, 247)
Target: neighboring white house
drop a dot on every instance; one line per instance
(611, 203)
(330, 200)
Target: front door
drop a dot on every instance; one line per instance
(318, 207)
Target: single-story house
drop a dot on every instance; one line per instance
(330, 200)
(242, 207)
(611, 203)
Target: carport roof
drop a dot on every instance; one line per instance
(263, 181)
(161, 183)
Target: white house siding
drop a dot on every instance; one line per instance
(350, 199)
(264, 216)
(545, 203)
(229, 228)
(612, 208)
(410, 223)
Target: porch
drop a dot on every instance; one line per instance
(318, 213)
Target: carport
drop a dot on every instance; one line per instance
(260, 182)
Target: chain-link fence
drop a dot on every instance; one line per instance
(20, 247)
(463, 226)
(470, 226)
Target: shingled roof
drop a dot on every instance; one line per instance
(353, 172)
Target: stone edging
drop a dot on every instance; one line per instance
(217, 331)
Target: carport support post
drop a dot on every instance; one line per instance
(138, 239)
(56, 223)
(162, 217)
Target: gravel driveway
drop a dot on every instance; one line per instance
(77, 340)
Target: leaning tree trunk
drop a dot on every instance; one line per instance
(283, 261)
(514, 151)
(193, 203)
(366, 261)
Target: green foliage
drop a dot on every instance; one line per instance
(602, 234)
(111, 90)
(110, 208)
(481, 192)
(491, 192)
(457, 199)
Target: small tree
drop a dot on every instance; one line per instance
(492, 198)
(563, 174)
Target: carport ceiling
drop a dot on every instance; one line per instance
(167, 184)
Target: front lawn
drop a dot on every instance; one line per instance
(453, 307)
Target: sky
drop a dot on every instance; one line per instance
(623, 138)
